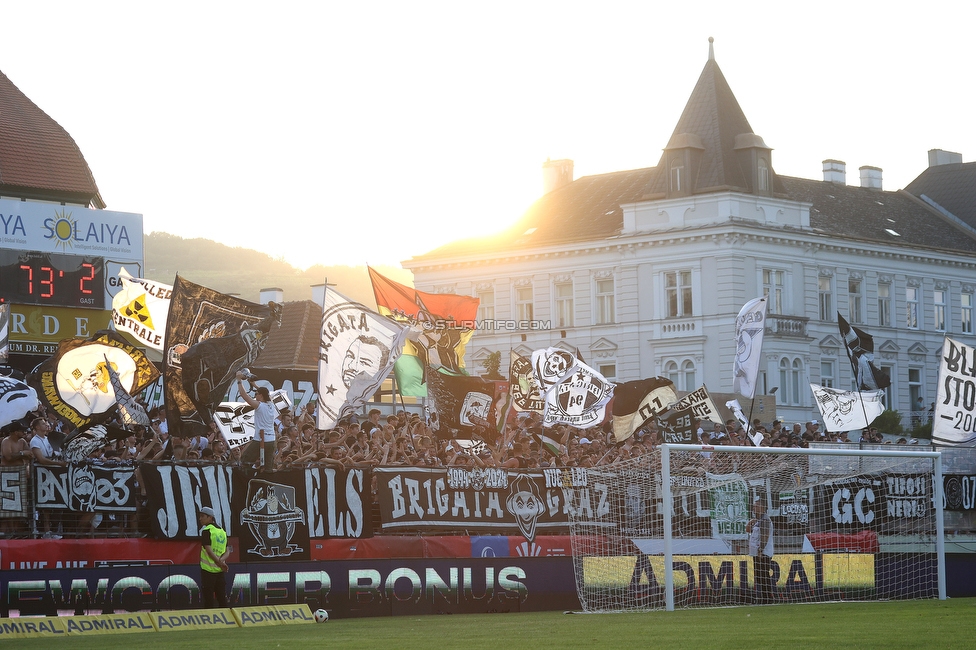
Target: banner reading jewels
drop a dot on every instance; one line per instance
(273, 514)
(490, 499)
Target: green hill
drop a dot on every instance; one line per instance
(245, 272)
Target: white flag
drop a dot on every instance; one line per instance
(847, 410)
(954, 419)
(141, 309)
(701, 405)
(575, 393)
(235, 420)
(750, 325)
(357, 350)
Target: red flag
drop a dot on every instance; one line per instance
(406, 303)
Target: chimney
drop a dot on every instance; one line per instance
(274, 294)
(870, 177)
(318, 294)
(939, 157)
(555, 174)
(835, 171)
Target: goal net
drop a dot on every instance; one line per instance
(762, 525)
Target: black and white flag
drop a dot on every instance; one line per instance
(847, 410)
(636, 402)
(860, 350)
(357, 350)
(575, 394)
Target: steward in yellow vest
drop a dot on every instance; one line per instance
(213, 560)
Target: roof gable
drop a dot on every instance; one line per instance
(38, 159)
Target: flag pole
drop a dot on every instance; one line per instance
(752, 402)
(856, 369)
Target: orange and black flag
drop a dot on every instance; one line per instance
(441, 325)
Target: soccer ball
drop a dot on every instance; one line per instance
(321, 616)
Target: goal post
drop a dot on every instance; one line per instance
(841, 523)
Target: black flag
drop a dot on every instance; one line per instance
(860, 350)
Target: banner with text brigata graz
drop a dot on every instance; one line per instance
(490, 499)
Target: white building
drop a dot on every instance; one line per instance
(645, 270)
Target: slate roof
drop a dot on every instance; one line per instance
(952, 186)
(38, 159)
(294, 345)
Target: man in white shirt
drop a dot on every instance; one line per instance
(43, 454)
(264, 429)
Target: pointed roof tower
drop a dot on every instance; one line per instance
(38, 159)
(709, 140)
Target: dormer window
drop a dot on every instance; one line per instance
(677, 174)
(762, 179)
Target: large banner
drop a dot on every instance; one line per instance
(490, 500)
(273, 514)
(954, 421)
(875, 502)
(85, 488)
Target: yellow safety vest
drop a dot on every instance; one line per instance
(218, 543)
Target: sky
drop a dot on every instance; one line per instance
(354, 133)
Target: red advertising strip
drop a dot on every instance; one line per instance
(92, 553)
(391, 547)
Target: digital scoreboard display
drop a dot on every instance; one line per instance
(37, 278)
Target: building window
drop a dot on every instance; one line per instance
(677, 291)
(884, 304)
(523, 303)
(790, 380)
(486, 306)
(939, 302)
(604, 301)
(826, 373)
(918, 405)
(911, 308)
(773, 290)
(889, 370)
(967, 313)
(855, 301)
(564, 304)
(677, 172)
(826, 298)
(763, 175)
(683, 377)
(608, 370)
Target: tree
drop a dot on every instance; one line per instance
(491, 364)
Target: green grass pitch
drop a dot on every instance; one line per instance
(888, 625)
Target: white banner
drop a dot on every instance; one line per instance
(235, 420)
(701, 405)
(750, 325)
(575, 393)
(141, 309)
(848, 410)
(954, 420)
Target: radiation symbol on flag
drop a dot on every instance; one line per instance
(138, 310)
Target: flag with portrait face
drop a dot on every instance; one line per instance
(357, 350)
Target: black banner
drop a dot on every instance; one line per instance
(490, 500)
(85, 488)
(959, 492)
(872, 502)
(273, 514)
